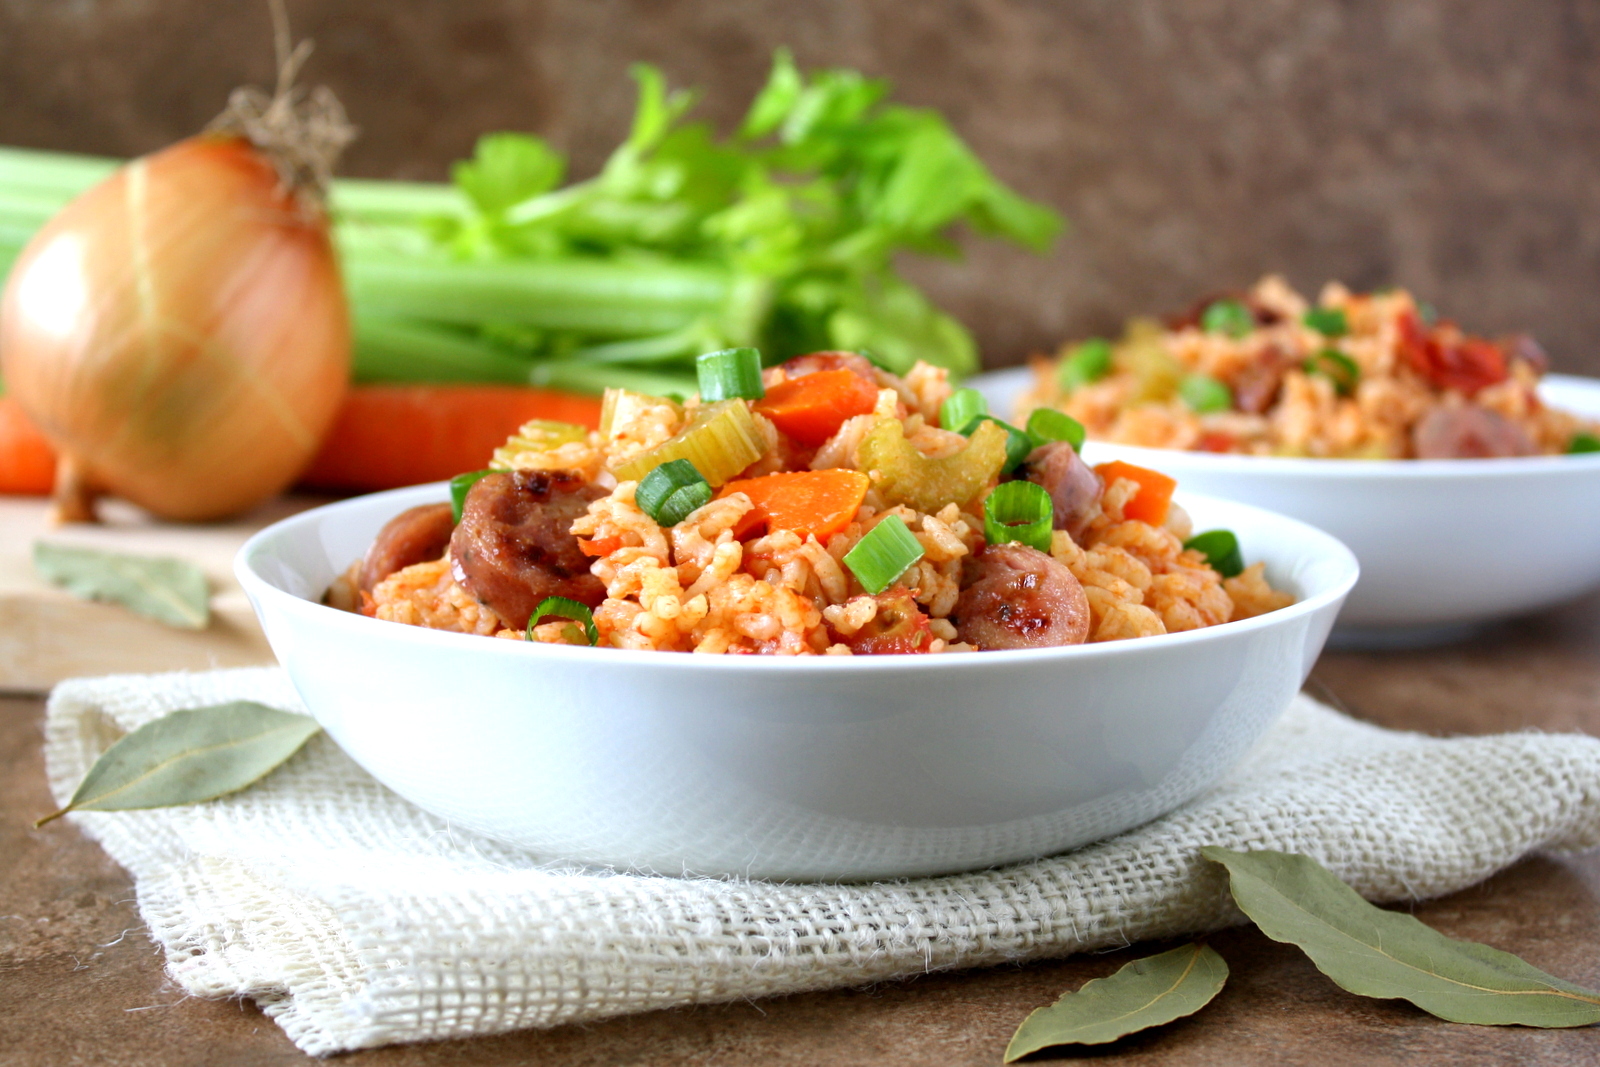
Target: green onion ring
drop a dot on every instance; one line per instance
(562, 608)
(884, 554)
(730, 373)
(1018, 511)
(961, 407)
(460, 486)
(1329, 322)
(1018, 443)
(1221, 550)
(1337, 367)
(671, 491)
(1047, 424)
(1087, 363)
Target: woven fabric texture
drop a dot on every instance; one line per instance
(357, 920)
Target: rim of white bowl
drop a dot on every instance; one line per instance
(1508, 467)
(1330, 549)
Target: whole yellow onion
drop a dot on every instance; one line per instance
(179, 331)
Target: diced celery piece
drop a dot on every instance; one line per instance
(902, 475)
(721, 440)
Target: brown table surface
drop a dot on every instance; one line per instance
(81, 983)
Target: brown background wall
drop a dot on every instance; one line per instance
(1450, 146)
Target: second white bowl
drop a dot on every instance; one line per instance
(1444, 544)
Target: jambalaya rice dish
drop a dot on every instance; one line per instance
(824, 506)
(1353, 376)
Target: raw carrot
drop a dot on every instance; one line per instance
(812, 407)
(27, 462)
(1154, 498)
(807, 502)
(387, 436)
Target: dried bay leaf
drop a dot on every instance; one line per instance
(1390, 955)
(1145, 993)
(172, 591)
(190, 756)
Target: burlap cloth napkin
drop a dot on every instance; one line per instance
(355, 919)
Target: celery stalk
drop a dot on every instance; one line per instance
(394, 350)
(603, 298)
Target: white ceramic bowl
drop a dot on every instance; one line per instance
(788, 768)
(1444, 545)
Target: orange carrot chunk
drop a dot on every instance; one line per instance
(812, 407)
(27, 462)
(600, 546)
(386, 436)
(1151, 503)
(808, 502)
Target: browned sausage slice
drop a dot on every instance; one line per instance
(416, 535)
(1073, 487)
(1468, 433)
(514, 546)
(1021, 598)
(1257, 385)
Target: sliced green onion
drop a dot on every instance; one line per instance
(1329, 322)
(562, 608)
(1018, 511)
(1204, 394)
(1018, 443)
(1088, 363)
(1229, 317)
(961, 407)
(1337, 367)
(460, 486)
(1221, 550)
(884, 554)
(1582, 443)
(670, 492)
(1047, 424)
(729, 374)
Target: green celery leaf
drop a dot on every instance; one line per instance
(776, 99)
(1145, 993)
(506, 169)
(1391, 955)
(894, 321)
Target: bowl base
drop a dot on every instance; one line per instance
(1399, 638)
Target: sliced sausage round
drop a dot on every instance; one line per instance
(514, 546)
(1468, 433)
(1074, 488)
(1021, 598)
(1256, 386)
(416, 535)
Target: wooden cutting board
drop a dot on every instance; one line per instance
(47, 634)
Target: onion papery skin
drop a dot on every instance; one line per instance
(180, 332)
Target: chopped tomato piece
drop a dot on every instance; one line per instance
(899, 627)
(1215, 441)
(1450, 360)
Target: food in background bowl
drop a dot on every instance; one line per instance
(1444, 544)
(821, 507)
(1355, 376)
